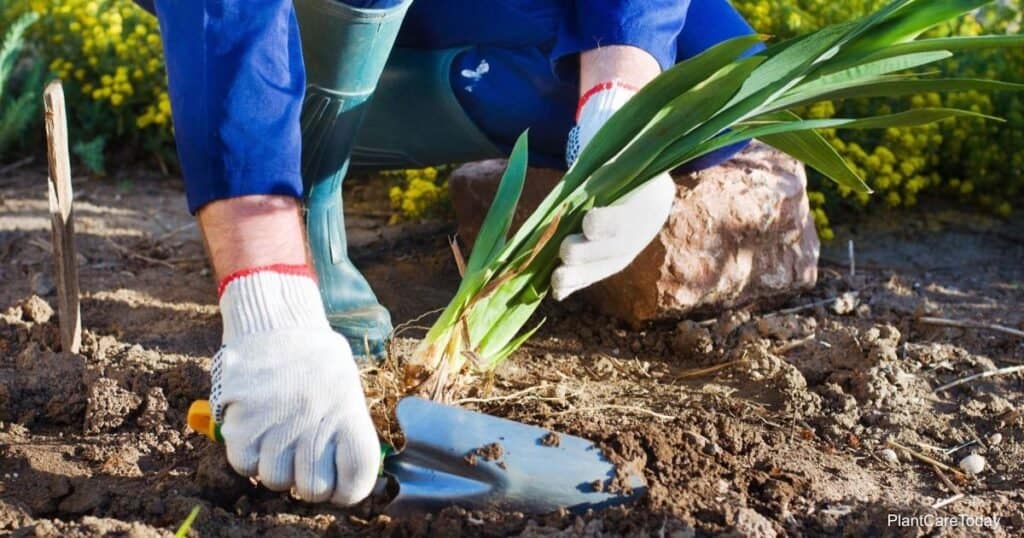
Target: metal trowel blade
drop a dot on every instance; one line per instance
(433, 469)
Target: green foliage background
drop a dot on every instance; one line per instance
(108, 53)
(19, 103)
(109, 56)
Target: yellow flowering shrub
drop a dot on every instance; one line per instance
(980, 162)
(419, 194)
(108, 55)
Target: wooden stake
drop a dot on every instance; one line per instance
(62, 217)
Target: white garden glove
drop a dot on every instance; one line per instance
(612, 236)
(286, 391)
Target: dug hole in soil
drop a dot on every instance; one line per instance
(751, 424)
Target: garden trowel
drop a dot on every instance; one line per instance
(453, 456)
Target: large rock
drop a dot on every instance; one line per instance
(738, 233)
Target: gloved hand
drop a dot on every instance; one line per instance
(612, 236)
(286, 390)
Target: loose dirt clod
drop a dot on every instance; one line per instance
(693, 341)
(108, 405)
(43, 385)
(36, 310)
(845, 304)
(490, 452)
(154, 417)
(750, 523)
(786, 327)
(552, 439)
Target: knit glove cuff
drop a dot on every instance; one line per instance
(271, 298)
(595, 107)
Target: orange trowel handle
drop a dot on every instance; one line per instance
(200, 419)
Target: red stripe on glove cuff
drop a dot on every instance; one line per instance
(604, 86)
(281, 268)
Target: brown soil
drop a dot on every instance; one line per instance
(749, 424)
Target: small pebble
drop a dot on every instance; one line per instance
(889, 455)
(995, 439)
(845, 303)
(973, 464)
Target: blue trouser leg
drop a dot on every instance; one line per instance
(236, 81)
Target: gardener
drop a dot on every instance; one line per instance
(263, 123)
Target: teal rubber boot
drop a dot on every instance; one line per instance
(415, 120)
(344, 50)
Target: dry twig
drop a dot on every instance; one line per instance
(933, 448)
(942, 476)
(125, 251)
(787, 311)
(512, 396)
(917, 455)
(990, 373)
(968, 324)
(790, 346)
(698, 372)
(633, 408)
(411, 324)
(953, 450)
(946, 502)
(809, 306)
